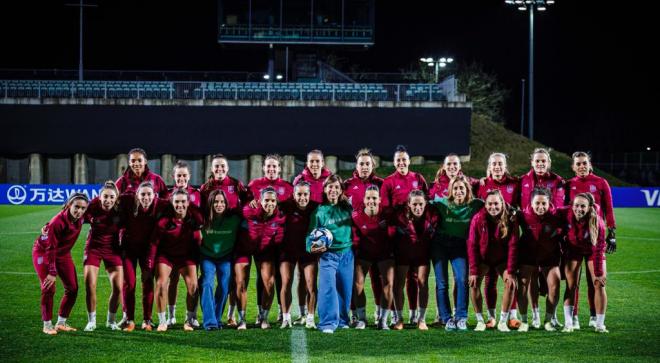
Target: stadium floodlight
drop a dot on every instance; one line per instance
(266, 77)
(441, 62)
(279, 77)
(531, 6)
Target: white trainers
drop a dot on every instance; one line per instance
(481, 326)
(376, 317)
(503, 327)
(576, 323)
(112, 325)
(568, 329)
(548, 326)
(171, 321)
(258, 320)
(241, 325)
(524, 327)
(91, 326)
(265, 324)
(194, 322)
(536, 323)
(592, 322)
(360, 325)
(286, 324)
(450, 325)
(602, 329)
(462, 324)
(382, 325)
(299, 321)
(309, 323)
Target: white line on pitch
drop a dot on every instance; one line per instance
(298, 335)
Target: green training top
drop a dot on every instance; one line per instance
(219, 240)
(456, 219)
(337, 219)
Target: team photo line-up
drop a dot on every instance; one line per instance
(533, 231)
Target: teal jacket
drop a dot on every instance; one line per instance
(337, 219)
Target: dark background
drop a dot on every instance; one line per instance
(596, 62)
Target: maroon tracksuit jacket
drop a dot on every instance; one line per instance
(540, 242)
(578, 241)
(315, 185)
(283, 188)
(129, 182)
(600, 189)
(485, 245)
(413, 236)
(373, 236)
(234, 189)
(355, 187)
(508, 186)
(551, 181)
(396, 188)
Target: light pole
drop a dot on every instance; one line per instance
(81, 6)
(531, 6)
(437, 64)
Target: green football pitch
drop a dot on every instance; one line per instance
(633, 290)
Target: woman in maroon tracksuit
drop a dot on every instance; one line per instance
(140, 213)
(498, 178)
(585, 240)
(293, 252)
(450, 169)
(372, 241)
(51, 256)
(540, 250)
(174, 245)
(315, 174)
(394, 194)
(354, 189)
(137, 173)
(236, 193)
(264, 234)
(103, 246)
(415, 226)
(181, 173)
(540, 177)
(491, 245)
(585, 181)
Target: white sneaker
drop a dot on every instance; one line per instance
(241, 325)
(568, 329)
(309, 323)
(450, 325)
(503, 327)
(576, 323)
(91, 326)
(536, 323)
(592, 322)
(328, 331)
(602, 329)
(194, 322)
(462, 324)
(376, 317)
(265, 324)
(524, 327)
(286, 324)
(481, 326)
(171, 321)
(549, 326)
(258, 320)
(382, 325)
(360, 325)
(112, 325)
(299, 321)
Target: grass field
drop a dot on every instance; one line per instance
(633, 291)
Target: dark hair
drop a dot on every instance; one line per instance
(181, 164)
(144, 184)
(581, 154)
(213, 157)
(541, 191)
(137, 150)
(413, 193)
(315, 151)
(178, 191)
(400, 149)
(209, 203)
(373, 187)
(301, 183)
(334, 178)
(73, 197)
(267, 189)
(275, 157)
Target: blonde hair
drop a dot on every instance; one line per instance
(503, 221)
(490, 159)
(593, 216)
(582, 154)
(441, 170)
(540, 150)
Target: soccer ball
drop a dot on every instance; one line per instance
(320, 237)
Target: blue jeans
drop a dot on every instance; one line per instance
(335, 289)
(455, 255)
(212, 308)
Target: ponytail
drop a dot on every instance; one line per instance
(503, 220)
(110, 185)
(593, 217)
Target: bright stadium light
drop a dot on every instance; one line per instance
(279, 77)
(437, 64)
(266, 77)
(531, 6)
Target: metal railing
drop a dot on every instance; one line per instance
(236, 91)
(295, 34)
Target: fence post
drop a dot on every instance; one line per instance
(398, 93)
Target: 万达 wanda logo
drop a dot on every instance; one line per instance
(16, 194)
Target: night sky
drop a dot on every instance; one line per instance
(596, 64)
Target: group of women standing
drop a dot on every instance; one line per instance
(392, 229)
